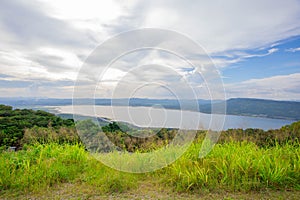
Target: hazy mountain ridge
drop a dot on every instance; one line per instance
(235, 106)
(261, 107)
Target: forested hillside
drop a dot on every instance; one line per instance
(25, 126)
(14, 123)
(259, 107)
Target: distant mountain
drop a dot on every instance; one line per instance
(28, 102)
(167, 103)
(237, 106)
(259, 107)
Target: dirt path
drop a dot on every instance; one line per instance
(145, 191)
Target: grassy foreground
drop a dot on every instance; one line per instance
(232, 167)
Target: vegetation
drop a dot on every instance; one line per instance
(232, 166)
(53, 155)
(13, 123)
(286, 134)
(122, 136)
(237, 166)
(143, 140)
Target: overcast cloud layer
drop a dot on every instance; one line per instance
(43, 43)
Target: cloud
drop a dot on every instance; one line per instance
(5, 76)
(232, 57)
(220, 26)
(30, 26)
(47, 41)
(293, 49)
(36, 45)
(282, 87)
(11, 87)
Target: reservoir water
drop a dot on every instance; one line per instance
(167, 118)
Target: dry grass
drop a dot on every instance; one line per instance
(145, 190)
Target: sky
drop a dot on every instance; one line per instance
(253, 45)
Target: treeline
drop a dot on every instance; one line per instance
(24, 126)
(286, 134)
(144, 140)
(118, 136)
(15, 123)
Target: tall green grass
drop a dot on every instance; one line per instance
(44, 165)
(41, 166)
(235, 166)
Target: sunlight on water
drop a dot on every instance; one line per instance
(160, 117)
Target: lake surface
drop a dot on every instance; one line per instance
(160, 117)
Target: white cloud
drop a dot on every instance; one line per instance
(282, 87)
(60, 34)
(293, 49)
(84, 10)
(221, 26)
(238, 56)
(217, 26)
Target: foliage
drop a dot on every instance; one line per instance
(144, 140)
(13, 123)
(111, 127)
(233, 166)
(237, 166)
(123, 137)
(39, 166)
(19, 127)
(243, 160)
(288, 133)
(44, 135)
